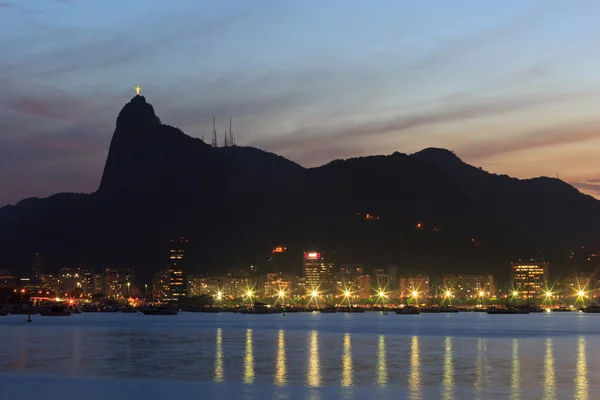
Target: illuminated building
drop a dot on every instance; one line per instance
(175, 270)
(392, 272)
(161, 289)
(197, 286)
(409, 285)
(529, 278)
(116, 283)
(233, 285)
(363, 287)
(575, 283)
(275, 283)
(97, 284)
(38, 265)
(382, 280)
(319, 273)
(468, 286)
(345, 278)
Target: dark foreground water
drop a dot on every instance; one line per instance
(321, 356)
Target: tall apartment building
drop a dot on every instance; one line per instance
(530, 278)
(319, 273)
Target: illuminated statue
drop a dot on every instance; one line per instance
(137, 90)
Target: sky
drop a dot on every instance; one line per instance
(511, 86)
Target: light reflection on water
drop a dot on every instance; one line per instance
(480, 368)
(314, 354)
(549, 383)
(516, 371)
(314, 367)
(581, 381)
(448, 370)
(219, 356)
(347, 362)
(281, 369)
(382, 369)
(249, 359)
(414, 379)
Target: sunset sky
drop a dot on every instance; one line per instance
(511, 86)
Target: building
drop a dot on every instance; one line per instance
(382, 280)
(161, 289)
(197, 286)
(117, 283)
(38, 265)
(576, 284)
(392, 272)
(363, 287)
(319, 273)
(530, 278)
(176, 267)
(97, 284)
(414, 287)
(468, 286)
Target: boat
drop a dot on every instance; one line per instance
(448, 309)
(532, 308)
(406, 310)
(429, 310)
(159, 311)
(591, 309)
(351, 309)
(561, 309)
(327, 310)
(56, 311)
(502, 310)
(90, 308)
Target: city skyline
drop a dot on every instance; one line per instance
(502, 85)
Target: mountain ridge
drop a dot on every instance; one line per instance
(237, 203)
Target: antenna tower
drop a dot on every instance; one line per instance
(214, 136)
(225, 141)
(231, 140)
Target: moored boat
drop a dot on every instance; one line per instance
(158, 311)
(502, 310)
(448, 309)
(407, 310)
(56, 311)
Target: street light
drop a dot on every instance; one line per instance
(314, 293)
(219, 296)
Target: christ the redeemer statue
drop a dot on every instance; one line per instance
(137, 90)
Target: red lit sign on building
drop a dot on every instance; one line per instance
(312, 256)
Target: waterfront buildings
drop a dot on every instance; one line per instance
(363, 287)
(530, 278)
(413, 287)
(161, 289)
(319, 273)
(468, 286)
(382, 279)
(176, 266)
(117, 283)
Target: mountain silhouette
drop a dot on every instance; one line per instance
(428, 212)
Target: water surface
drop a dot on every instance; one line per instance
(306, 355)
